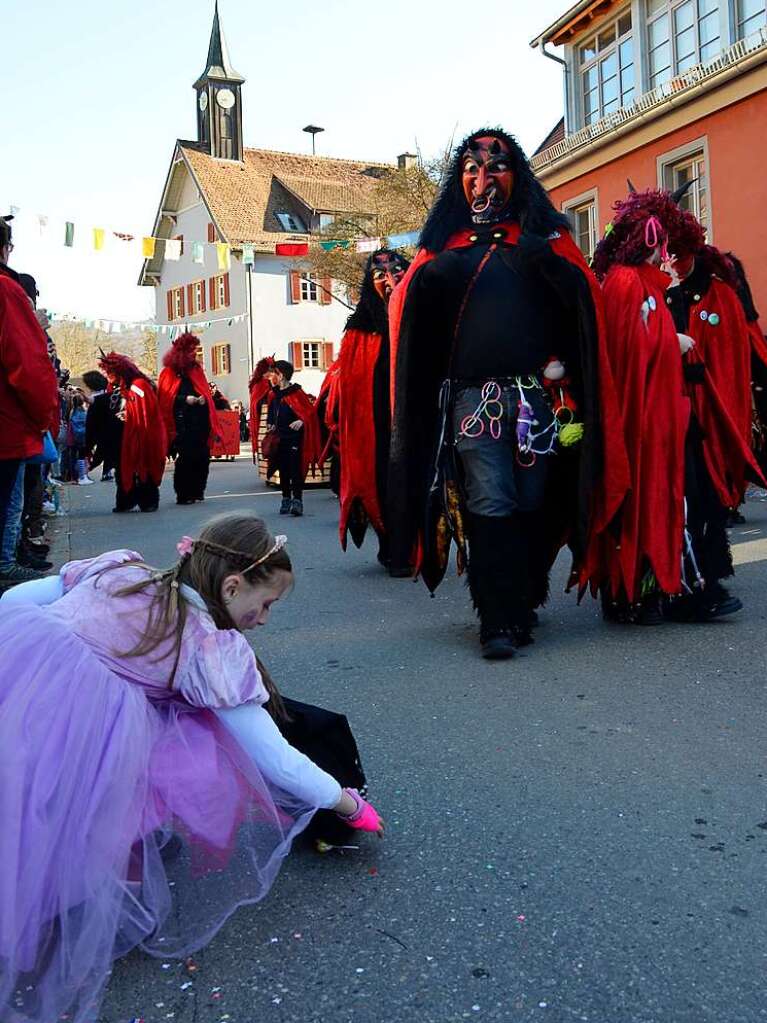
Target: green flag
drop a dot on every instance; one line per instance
(69, 234)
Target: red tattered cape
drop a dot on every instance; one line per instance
(144, 443)
(360, 351)
(328, 400)
(311, 443)
(167, 388)
(615, 473)
(722, 402)
(643, 349)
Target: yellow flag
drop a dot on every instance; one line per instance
(98, 238)
(147, 248)
(222, 251)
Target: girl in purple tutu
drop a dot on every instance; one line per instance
(132, 708)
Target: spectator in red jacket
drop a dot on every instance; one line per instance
(28, 388)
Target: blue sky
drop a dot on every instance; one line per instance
(94, 96)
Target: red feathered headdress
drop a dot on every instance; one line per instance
(642, 221)
(182, 354)
(263, 366)
(120, 366)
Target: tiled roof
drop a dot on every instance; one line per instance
(556, 134)
(243, 197)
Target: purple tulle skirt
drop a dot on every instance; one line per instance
(95, 777)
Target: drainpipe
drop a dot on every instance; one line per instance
(559, 60)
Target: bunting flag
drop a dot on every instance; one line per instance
(69, 234)
(222, 255)
(368, 244)
(291, 249)
(398, 241)
(98, 238)
(198, 253)
(173, 249)
(42, 223)
(340, 244)
(248, 255)
(147, 247)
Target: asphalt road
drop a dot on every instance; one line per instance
(578, 834)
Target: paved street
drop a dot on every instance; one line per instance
(578, 834)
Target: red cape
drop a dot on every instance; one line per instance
(167, 389)
(722, 402)
(643, 350)
(328, 400)
(615, 471)
(360, 351)
(144, 443)
(311, 445)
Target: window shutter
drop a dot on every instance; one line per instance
(202, 297)
(295, 286)
(297, 354)
(326, 358)
(226, 289)
(211, 233)
(212, 292)
(170, 306)
(190, 298)
(324, 288)
(182, 308)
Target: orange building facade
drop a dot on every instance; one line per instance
(660, 92)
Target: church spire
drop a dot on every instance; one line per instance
(218, 64)
(219, 100)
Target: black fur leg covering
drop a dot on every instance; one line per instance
(499, 572)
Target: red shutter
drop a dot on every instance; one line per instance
(297, 354)
(211, 233)
(226, 290)
(202, 297)
(190, 298)
(295, 286)
(326, 356)
(324, 288)
(212, 292)
(182, 307)
(170, 306)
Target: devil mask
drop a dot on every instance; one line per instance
(387, 270)
(487, 178)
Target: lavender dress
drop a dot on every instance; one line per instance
(99, 762)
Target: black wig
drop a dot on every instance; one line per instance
(370, 314)
(530, 205)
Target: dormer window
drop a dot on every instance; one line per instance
(291, 222)
(606, 68)
(327, 220)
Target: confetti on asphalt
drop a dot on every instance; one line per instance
(475, 1008)
(521, 918)
(159, 1005)
(276, 1001)
(186, 984)
(543, 1005)
(373, 871)
(191, 965)
(166, 966)
(273, 941)
(359, 970)
(216, 995)
(297, 935)
(215, 990)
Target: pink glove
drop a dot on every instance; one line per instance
(364, 817)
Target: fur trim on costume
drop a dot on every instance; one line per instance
(120, 366)
(530, 205)
(263, 366)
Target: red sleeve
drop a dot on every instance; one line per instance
(24, 358)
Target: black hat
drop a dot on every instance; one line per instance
(29, 284)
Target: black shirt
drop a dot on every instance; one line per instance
(192, 421)
(281, 415)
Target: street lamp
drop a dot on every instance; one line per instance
(312, 130)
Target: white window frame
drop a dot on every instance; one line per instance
(178, 298)
(668, 11)
(697, 147)
(198, 296)
(310, 349)
(597, 60)
(220, 291)
(740, 21)
(310, 291)
(216, 360)
(577, 203)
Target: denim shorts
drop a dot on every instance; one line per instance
(495, 481)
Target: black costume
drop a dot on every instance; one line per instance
(190, 445)
(473, 324)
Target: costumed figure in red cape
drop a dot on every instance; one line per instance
(706, 306)
(500, 386)
(143, 444)
(364, 409)
(638, 560)
(327, 416)
(260, 391)
(190, 417)
(293, 419)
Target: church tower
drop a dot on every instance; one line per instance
(219, 100)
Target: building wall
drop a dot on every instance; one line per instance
(737, 149)
(276, 321)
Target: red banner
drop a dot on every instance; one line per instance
(229, 444)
